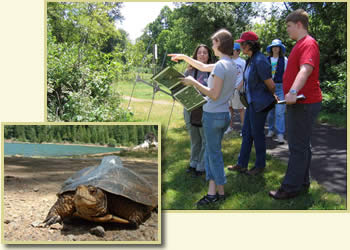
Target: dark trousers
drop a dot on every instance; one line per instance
(253, 131)
(300, 120)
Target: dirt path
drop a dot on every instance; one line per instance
(328, 166)
(30, 189)
(149, 100)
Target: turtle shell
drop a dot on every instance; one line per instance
(112, 177)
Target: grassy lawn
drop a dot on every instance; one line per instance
(181, 191)
(338, 120)
(141, 90)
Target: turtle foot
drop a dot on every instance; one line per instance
(50, 220)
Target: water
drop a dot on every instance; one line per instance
(33, 149)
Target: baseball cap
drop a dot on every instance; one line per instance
(236, 46)
(248, 36)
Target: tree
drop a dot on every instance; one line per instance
(327, 24)
(85, 54)
(140, 134)
(133, 134)
(190, 24)
(124, 135)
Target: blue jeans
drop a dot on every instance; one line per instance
(300, 121)
(214, 125)
(275, 118)
(253, 131)
(197, 143)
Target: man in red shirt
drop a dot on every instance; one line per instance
(300, 77)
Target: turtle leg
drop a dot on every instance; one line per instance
(119, 220)
(62, 208)
(135, 212)
(52, 219)
(106, 218)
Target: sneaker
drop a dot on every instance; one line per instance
(270, 133)
(196, 173)
(190, 170)
(255, 171)
(228, 130)
(220, 197)
(207, 199)
(237, 168)
(280, 139)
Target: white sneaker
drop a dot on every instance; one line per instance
(270, 133)
(228, 130)
(280, 139)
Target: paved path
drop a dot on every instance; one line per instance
(328, 165)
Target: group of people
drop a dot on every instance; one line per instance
(262, 81)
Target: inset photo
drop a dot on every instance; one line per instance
(81, 183)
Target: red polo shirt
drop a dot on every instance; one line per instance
(305, 51)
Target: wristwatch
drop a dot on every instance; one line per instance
(293, 91)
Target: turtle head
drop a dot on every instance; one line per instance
(90, 201)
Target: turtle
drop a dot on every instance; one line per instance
(108, 192)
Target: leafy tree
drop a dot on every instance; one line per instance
(85, 53)
(190, 24)
(327, 24)
(112, 142)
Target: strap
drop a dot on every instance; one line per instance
(195, 73)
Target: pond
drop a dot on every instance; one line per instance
(34, 149)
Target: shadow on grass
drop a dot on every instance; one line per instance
(180, 191)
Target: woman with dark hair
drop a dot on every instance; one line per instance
(275, 118)
(216, 117)
(259, 89)
(193, 119)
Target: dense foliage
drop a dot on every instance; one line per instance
(190, 24)
(87, 53)
(96, 134)
(327, 24)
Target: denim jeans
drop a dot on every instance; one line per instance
(300, 120)
(276, 116)
(214, 125)
(197, 143)
(253, 131)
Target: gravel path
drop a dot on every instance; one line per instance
(30, 189)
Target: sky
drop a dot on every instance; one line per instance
(138, 14)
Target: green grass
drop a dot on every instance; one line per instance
(141, 90)
(148, 154)
(143, 109)
(335, 119)
(181, 192)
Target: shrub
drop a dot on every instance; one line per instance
(112, 142)
(334, 91)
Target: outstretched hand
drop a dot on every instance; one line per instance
(177, 57)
